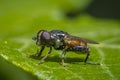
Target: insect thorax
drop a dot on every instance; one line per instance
(57, 39)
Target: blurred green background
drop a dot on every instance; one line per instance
(20, 20)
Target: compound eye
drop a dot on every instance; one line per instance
(46, 35)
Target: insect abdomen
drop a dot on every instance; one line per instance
(82, 49)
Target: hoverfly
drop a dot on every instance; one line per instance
(61, 40)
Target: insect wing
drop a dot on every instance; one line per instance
(90, 41)
(81, 39)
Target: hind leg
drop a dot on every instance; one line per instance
(86, 59)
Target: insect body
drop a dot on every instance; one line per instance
(61, 40)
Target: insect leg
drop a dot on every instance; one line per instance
(40, 52)
(48, 53)
(86, 59)
(63, 57)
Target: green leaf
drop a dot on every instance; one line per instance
(21, 20)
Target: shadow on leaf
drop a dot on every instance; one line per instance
(58, 59)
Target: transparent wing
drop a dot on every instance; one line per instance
(81, 39)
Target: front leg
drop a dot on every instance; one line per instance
(48, 53)
(40, 52)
